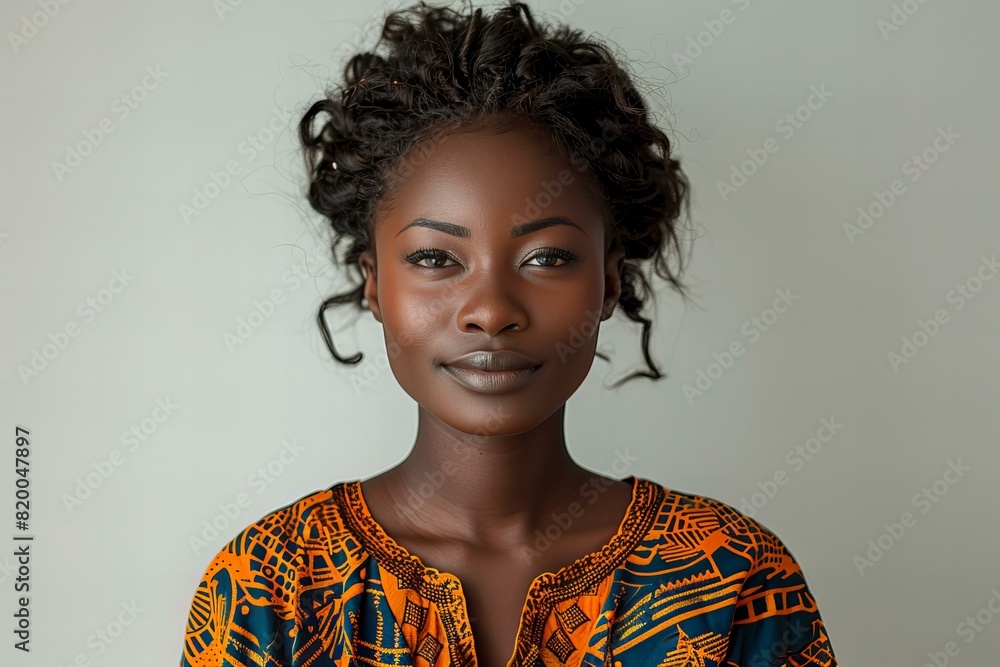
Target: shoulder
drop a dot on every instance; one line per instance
(263, 555)
(705, 556)
(315, 518)
(693, 522)
(247, 597)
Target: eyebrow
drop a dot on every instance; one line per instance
(515, 231)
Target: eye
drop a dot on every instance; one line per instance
(422, 254)
(553, 254)
(549, 257)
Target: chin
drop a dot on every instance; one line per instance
(492, 418)
(480, 415)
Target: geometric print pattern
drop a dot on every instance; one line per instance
(687, 581)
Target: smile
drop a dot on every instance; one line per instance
(492, 382)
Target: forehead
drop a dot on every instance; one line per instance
(508, 173)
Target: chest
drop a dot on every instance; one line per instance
(495, 600)
(495, 588)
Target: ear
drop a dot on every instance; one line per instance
(367, 263)
(613, 263)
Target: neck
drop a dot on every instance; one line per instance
(489, 486)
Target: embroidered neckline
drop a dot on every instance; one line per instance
(546, 589)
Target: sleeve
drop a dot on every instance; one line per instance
(777, 622)
(243, 613)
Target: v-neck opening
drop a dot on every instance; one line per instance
(546, 589)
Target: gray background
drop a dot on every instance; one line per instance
(226, 74)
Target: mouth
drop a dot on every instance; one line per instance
(492, 382)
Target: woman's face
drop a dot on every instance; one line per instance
(491, 242)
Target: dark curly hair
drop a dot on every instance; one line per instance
(445, 70)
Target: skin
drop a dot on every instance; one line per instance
(501, 459)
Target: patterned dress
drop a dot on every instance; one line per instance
(686, 581)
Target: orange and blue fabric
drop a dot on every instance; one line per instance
(686, 580)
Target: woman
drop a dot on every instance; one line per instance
(499, 183)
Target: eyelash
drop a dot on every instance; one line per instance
(426, 253)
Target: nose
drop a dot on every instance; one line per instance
(492, 305)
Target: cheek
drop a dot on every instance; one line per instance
(410, 315)
(410, 330)
(416, 330)
(574, 313)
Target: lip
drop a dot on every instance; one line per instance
(492, 382)
(493, 360)
(492, 371)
